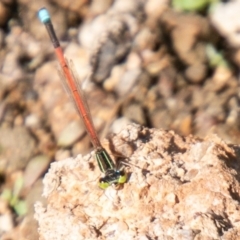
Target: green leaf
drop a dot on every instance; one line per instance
(20, 208)
(215, 57)
(190, 5)
(7, 194)
(18, 186)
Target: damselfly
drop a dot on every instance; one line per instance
(113, 176)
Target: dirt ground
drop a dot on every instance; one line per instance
(153, 63)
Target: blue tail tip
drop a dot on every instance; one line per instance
(44, 15)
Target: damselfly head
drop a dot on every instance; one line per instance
(113, 178)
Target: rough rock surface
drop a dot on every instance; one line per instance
(178, 188)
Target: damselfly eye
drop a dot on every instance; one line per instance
(103, 185)
(122, 177)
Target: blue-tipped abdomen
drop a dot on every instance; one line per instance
(43, 15)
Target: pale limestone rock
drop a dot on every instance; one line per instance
(178, 188)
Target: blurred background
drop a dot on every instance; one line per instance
(159, 63)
